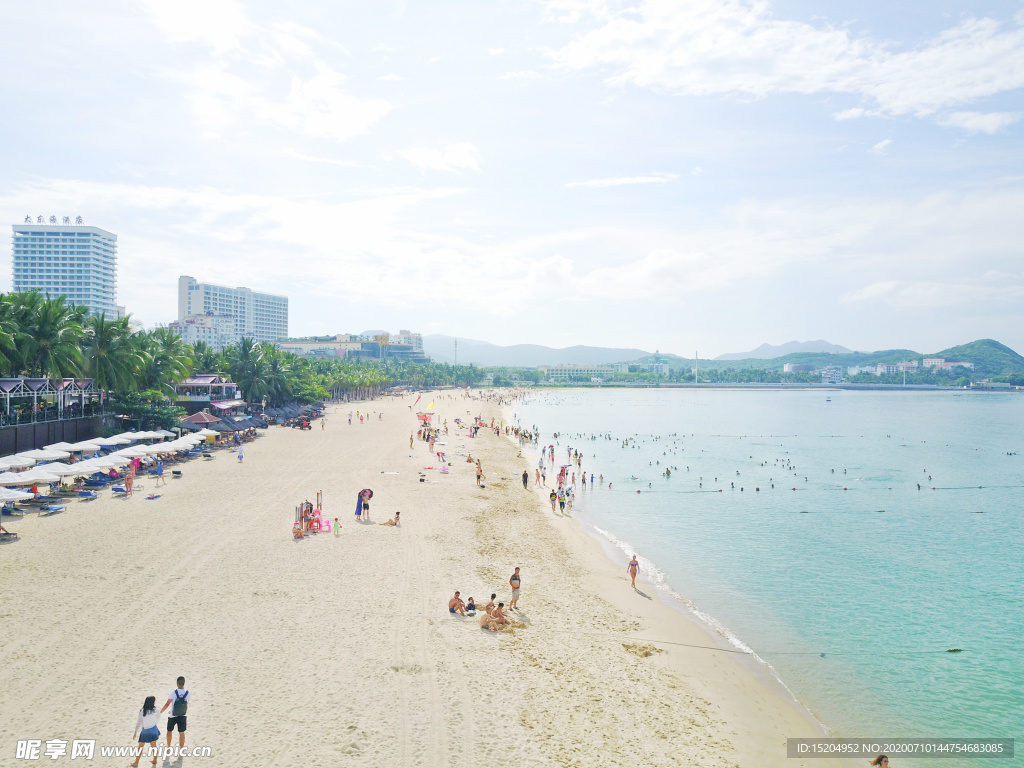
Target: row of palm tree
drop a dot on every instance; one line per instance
(44, 337)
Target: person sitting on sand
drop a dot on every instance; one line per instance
(396, 522)
(470, 607)
(495, 619)
(455, 605)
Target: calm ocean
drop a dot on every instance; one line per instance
(852, 586)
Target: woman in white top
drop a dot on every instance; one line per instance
(146, 727)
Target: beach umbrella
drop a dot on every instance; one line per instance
(109, 441)
(84, 445)
(9, 494)
(366, 490)
(153, 450)
(14, 478)
(130, 436)
(57, 447)
(43, 455)
(207, 432)
(134, 452)
(59, 469)
(165, 433)
(11, 462)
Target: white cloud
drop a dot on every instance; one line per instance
(985, 122)
(454, 157)
(881, 147)
(238, 81)
(741, 47)
(392, 78)
(325, 160)
(656, 178)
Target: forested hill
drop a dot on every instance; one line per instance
(990, 358)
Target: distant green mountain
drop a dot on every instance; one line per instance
(990, 358)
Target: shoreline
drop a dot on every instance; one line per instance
(336, 650)
(746, 676)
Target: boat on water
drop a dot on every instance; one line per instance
(828, 399)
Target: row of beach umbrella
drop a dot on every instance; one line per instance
(54, 470)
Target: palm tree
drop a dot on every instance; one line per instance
(52, 337)
(245, 364)
(111, 357)
(205, 360)
(166, 359)
(10, 334)
(383, 342)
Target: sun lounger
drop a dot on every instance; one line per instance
(51, 509)
(9, 536)
(87, 495)
(176, 473)
(118, 490)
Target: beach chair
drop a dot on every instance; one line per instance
(326, 525)
(51, 509)
(87, 495)
(8, 536)
(176, 474)
(119, 491)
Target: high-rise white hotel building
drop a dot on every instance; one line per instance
(258, 316)
(71, 260)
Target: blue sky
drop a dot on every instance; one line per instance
(699, 175)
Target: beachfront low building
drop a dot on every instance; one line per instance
(576, 372)
(797, 368)
(218, 331)
(404, 345)
(832, 374)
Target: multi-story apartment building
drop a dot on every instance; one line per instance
(71, 260)
(258, 316)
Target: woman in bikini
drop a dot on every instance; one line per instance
(633, 568)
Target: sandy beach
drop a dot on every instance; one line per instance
(339, 650)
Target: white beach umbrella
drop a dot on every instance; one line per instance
(43, 455)
(135, 452)
(12, 462)
(84, 445)
(106, 442)
(59, 469)
(9, 494)
(14, 478)
(130, 436)
(57, 447)
(153, 450)
(207, 433)
(39, 476)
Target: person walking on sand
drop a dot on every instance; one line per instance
(554, 499)
(160, 479)
(410, 441)
(146, 728)
(241, 454)
(526, 480)
(514, 582)
(633, 569)
(178, 702)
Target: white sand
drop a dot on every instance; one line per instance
(340, 650)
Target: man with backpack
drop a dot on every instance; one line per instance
(178, 702)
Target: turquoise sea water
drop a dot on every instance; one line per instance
(852, 596)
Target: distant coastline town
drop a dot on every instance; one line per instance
(70, 352)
